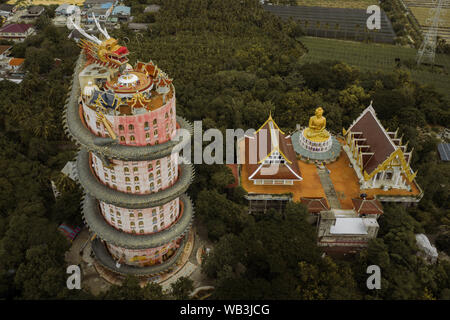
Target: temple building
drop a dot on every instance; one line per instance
(342, 191)
(379, 158)
(271, 157)
(124, 118)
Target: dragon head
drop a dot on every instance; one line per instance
(107, 52)
(111, 52)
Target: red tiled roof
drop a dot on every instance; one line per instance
(375, 137)
(255, 152)
(16, 28)
(234, 170)
(3, 49)
(315, 205)
(367, 206)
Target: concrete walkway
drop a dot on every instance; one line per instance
(328, 187)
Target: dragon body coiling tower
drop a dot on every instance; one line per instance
(124, 119)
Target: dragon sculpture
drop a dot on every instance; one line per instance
(105, 52)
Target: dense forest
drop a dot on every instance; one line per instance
(232, 64)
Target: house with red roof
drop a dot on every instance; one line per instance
(367, 207)
(4, 51)
(16, 31)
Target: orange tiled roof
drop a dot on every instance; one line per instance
(16, 62)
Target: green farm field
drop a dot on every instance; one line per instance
(422, 14)
(355, 4)
(375, 57)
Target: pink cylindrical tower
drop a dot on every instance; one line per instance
(124, 119)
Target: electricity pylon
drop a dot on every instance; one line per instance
(427, 50)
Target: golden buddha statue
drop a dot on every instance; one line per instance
(316, 131)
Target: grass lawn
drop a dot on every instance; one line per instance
(422, 14)
(377, 57)
(355, 4)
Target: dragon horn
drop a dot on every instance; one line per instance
(84, 33)
(103, 31)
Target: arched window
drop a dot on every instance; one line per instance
(155, 228)
(119, 221)
(159, 181)
(155, 122)
(158, 162)
(152, 185)
(141, 224)
(127, 179)
(136, 188)
(140, 215)
(141, 231)
(131, 215)
(146, 127)
(113, 177)
(162, 224)
(132, 223)
(155, 220)
(161, 216)
(154, 212)
(122, 138)
(136, 178)
(121, 127)
(118, 214)
(150, 176)
(135, 169)
(132, 138)
(130, 127)
(126, 169)
(147, 135)
(155, 133)
(128, 188)
(166, 115)
(158, 172)
(150, 166)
